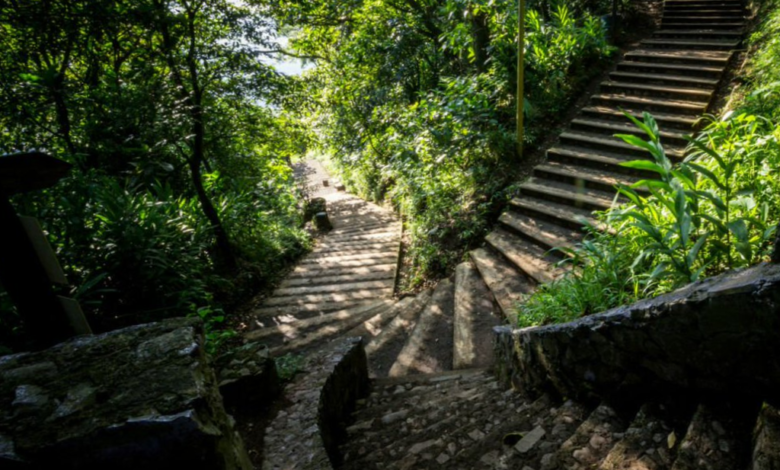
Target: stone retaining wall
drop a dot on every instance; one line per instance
(718, 335)
(140, 397)
(306, 435)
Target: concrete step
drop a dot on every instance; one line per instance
(664, 79)
(680, 57)
(383, 348)
(591, 442)
(611, 128)
(564, 193)
(659, 68)
(429, 348)
(474, 320)
(546, 234)
(277, 315)
(718, 436)
(504, 281)
(346, 275)
(340, 287)
(330, 297)
(665, 120)
(652, 105)
(585, 176)
(647, 443)
(671, 92)
(766, 440)
(302, 335)
(734, 13)
(596, 141)
(561, 214)
(686, 23)
(704, 44)
(529, 258)
(342, 267)
(699, 34)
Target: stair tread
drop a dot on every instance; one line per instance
(555, 210)
(383, 348)
(578, 195)
(528, 257)
(718, 437)
(305, 299)
(615, 142)
(548, 234)
(658, 88)
(433, 326)
(588, 174)
(694, 32)
(677, 118)
(504, 281)
(681, 54)
(692, 42)
(626, 128)
(697, 108)
(345, 275)
(679, 67)
(651, 420)
(288, 313)
(347, 267)
(339, 287)
(474, 320)
(668, 77)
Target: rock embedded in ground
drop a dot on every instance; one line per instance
(140, 397)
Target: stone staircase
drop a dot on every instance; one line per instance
(434, 403)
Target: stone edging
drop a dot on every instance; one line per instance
(717, 335)
(307, 434)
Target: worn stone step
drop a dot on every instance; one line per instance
(651, 440)
(706, 44)
(703, 71)
(303, 332)
(348, 238)
(685, 23)
(336, 257)
(698, 33)
(704, 19)
(639, 103)
(586, 176)
(507, 285)
(343, 266)
(681, 57)
(616, 145)
(673, 92)
(528, 257)
(340, 287)
(328, 250)
(474, 320)
(694, 95)
(766, 440)
(332, 297)
(377, 226)
(541, 435)
(665, 120)
(336, 276)
(591, 442)
(383, 349)
(665, 79)
(475, 376)
(732, 14)
(288, 313)
(540, 232)
(563, 193)
(612, 128)
(429, 347)
(567, 215)
(718, 437)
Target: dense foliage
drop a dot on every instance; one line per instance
(181, 193)
(414, 101)
(713, 212)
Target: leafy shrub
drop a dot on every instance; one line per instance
(714, 211)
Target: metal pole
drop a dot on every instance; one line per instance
(520, 76)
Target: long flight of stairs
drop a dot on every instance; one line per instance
(434, 402)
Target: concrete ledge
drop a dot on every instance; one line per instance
(717, 335)
(140, 397)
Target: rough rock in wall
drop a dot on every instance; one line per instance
(140, 397)
(718, 335)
